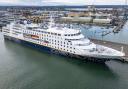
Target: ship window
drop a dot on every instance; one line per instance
(29, 28)
(59, 34)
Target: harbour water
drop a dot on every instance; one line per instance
(25, 68)
(96, 32)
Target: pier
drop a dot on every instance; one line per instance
(117, 46)
(120, 26)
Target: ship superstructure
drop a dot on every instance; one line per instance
(60, 40)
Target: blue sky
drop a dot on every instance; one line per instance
(61, 2)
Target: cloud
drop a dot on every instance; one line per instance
(63, 2)
(67, 2)
(110, 2)
(9, 1)
(84, 2)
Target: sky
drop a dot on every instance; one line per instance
(61, 2)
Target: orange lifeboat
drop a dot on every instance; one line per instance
(34, 37)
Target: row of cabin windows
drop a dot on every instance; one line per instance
(62, 45)
(54, 34)
(72, 34)
(58, 44)
(52, 41)
(31, 32)
(51, 36)
(49, 39)
(32, 29)
(68, 50)
(42, 34)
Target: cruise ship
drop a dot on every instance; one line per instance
(58, 40)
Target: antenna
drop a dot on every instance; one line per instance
(122, 49)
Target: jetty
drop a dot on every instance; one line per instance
(117, 46)
(119, 26)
